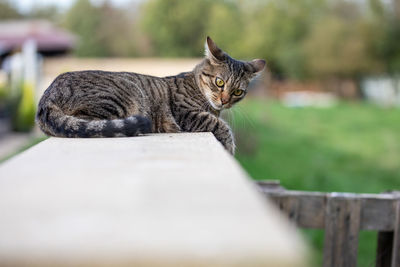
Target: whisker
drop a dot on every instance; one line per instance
(248, 118)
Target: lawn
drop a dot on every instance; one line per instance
(352, 147)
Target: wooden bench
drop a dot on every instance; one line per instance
(158, 200)
(342, 216)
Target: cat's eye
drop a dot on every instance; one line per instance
(238, 92)
(219, 82)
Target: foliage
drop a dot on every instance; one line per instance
(3, 100)
(7, 11)
(22, 107)
(24, 117)
(176, 27)
(84, 20)
(3, 92)
(337, 48)
(390, 48)
(276, 30)
(300, 39)
(102, 30)
(353, 147)
(223, 16)
(50, 12)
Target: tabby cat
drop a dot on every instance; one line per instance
(113, 104)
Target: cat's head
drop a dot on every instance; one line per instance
(222, 79)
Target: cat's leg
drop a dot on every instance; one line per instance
(206, 122)
(164, 122)
(169, 124)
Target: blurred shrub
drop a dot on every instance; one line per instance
(3, 100)
(24, 118)
(3, 93)
(21, 107)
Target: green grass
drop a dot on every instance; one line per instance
(352, 147)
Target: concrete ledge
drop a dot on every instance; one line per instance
(159, 200)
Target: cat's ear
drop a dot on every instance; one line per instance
(213, 52)
(256, 65)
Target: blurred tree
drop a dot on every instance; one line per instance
(300, 39)
(388, 46)
(225, 25)
(7, 11)
(274, 31)
(115, 31)
(343, 43)
(103, 30)
(176, 28)
(84, 19)
(376, 8)
(50, 12)
(391, 47)
(337, 48)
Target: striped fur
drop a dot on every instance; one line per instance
(112, 104)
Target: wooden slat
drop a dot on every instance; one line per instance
(342, 224)
(342, 216)
(291, 206)
(386, 252)
(310, 213)
(396, 237)
(378, 210)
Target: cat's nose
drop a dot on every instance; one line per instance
(224, 101)
(224, 98)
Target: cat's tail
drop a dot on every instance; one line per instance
(54, 122)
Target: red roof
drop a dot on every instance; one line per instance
(47, 36)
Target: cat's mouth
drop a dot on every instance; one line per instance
(227, 105)
(221, 106)
(216, 106)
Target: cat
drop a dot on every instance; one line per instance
(112, 104)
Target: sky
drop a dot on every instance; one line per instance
(26, 5)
